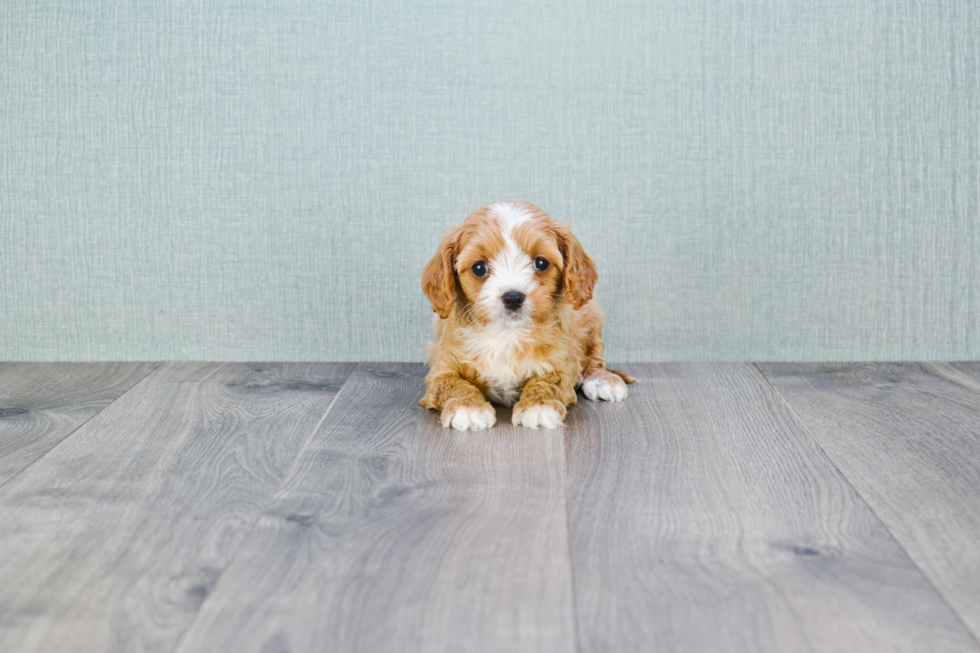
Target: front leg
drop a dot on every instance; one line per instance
(463, 405)
(544, 400)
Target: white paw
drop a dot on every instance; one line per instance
(607, 388)
(466, 418)
(540, 416)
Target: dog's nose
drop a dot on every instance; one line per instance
(513, 299)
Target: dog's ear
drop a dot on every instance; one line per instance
(439, 276)
(580, 274)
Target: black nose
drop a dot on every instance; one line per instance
(513, 299)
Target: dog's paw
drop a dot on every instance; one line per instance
(539, 415)
(468, 418)
(605, 386)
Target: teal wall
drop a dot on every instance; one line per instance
(757, 180)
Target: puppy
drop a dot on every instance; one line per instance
(515, 322)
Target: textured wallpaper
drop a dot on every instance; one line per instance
(241, 180)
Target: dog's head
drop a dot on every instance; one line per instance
(509, 263)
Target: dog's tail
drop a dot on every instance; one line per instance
(623, 375)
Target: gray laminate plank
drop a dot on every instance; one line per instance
(704, 518)
(113, 539)
(966, 373)
(42, 403)
(394, 534)
(907, 436)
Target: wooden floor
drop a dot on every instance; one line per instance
(315, 507)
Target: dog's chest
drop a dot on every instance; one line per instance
(503, 385)
(502, 361)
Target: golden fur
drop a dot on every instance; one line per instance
(537, 358)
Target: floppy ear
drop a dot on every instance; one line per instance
(439, 276)
(579, 275)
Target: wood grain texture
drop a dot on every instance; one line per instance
(394, 534)
(703, 518)
(43, 403)
(907, 436)
(112, 541)
(966, 374)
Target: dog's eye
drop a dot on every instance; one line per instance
(479, 269)
(541, 264)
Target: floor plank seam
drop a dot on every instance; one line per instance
(884, 525)
(568, 542)
(79, 427)
(272, 496)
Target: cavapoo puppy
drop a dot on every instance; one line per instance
(515, 322)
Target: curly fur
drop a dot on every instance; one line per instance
(533, 358)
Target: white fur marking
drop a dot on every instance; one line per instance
(607, 388)
(469, 419)
(510, 214)
(492, 350)
(540, 416)
(510, 269)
